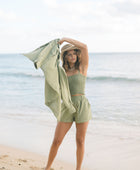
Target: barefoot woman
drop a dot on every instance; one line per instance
(74, 56)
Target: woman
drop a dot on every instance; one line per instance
(75, 60)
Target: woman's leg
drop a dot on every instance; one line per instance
(81, 129)
(60, 131)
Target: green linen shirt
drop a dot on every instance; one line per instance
(57, 92)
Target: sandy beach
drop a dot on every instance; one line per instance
(109, 146)
(17, 159)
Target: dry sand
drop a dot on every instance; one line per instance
(109, 146)
(18, 159)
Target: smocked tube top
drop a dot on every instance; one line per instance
(77, 83)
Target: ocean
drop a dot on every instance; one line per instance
(112, 88)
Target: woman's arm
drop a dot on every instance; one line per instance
(74, 42)
(82, 46)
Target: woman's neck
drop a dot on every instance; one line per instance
(72, 68)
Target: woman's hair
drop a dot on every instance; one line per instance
(66, 65)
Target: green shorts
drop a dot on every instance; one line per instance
(83, 110)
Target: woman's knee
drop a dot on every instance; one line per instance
(57, 141)
(80, 141)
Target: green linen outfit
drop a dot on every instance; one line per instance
(83, 108)
(57, 91)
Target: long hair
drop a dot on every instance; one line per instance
(66, 65)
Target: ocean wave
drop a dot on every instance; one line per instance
(110, 78)
(94, 78)
(19, 74)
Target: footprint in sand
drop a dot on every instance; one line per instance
(4, 156)
(37, 168)
(22, 160)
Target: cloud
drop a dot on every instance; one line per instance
(71, 10)
(10, 16)
(99, 23)
(52, 3)
(131, 7)
(95, 17)
(98, 8)
(101, 20)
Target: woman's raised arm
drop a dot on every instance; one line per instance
(81, 46)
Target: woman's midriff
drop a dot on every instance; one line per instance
(77, 94)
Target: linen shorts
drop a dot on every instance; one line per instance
(83, 110)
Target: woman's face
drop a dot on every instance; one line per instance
(71, 56)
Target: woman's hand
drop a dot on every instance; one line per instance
(61, 41)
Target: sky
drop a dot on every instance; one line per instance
(104, 25)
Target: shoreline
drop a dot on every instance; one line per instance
(108, 145)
